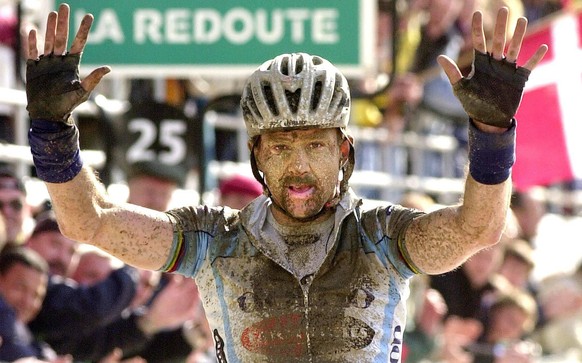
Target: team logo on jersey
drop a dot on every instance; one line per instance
(396, 345)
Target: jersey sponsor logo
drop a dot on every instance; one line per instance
(285, 336)
(396, 345)
(219, 347)
(277, 336)
(362, 298)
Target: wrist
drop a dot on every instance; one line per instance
(489, 128)
(55, 150)
(491, 154)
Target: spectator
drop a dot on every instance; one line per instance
(457, 334)
(152, 184)
(560, 296)
(529, 211)
(57, 250)
(137, 331)
(511, 319)
(69, 309)
(13, 206)
(23, 282)
(94, 265)
(238, 190)
(468, 289)
(517, 264)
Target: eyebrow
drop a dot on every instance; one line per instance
(288, 136)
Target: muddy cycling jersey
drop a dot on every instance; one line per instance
(352, 309)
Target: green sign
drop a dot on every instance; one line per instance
(181, 37)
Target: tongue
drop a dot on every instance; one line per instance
(300, 189)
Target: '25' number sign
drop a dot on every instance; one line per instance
(163, 141)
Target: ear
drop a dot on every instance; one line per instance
(254, 146)
(345, 146)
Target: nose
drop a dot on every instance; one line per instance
(299, 162)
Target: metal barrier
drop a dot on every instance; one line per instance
(381, 178)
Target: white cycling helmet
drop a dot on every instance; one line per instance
(295, 90)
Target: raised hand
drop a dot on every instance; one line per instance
(491, 93)
(53, 86)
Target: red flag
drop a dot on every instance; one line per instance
(549, 135)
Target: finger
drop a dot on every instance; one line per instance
(49, 37)
(477, 34)
(62, 31)
(93, 79)
(32, 48)
(450, 68)
(536, 58)
(515, 44)
(498, 45)
(82, 34)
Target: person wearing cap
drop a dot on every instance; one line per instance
(238, 190)
(307, 271)
(151, 184)
(13, 206)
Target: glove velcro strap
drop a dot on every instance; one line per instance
(491, 156)
(55, 150)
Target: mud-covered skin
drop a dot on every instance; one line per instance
(301, 159)
(53, 88)
(491, 93)
(351, 310)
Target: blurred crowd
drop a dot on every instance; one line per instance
(61, 301)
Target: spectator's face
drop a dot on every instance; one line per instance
(15, 211)
(58, 251)
(481, 266)
(507, 324)
(92, 268)
(516, 271)
(24, 289)
(301, 168)
(150, 192)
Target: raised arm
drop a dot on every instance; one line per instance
(490, 94)
(138, 236)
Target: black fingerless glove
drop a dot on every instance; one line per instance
(491, 93)
(53, 88)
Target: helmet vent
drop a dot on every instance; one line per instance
(250, 104)
(293, 99)
(299, 65)
(317, 88)
(285, 66)
(270, 99)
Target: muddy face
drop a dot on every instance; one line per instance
(301, 169)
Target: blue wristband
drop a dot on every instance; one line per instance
(491, 156)
(55, 150)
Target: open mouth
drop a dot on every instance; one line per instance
(301, 191)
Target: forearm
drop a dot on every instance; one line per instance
(86, 214)
(442, 240)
